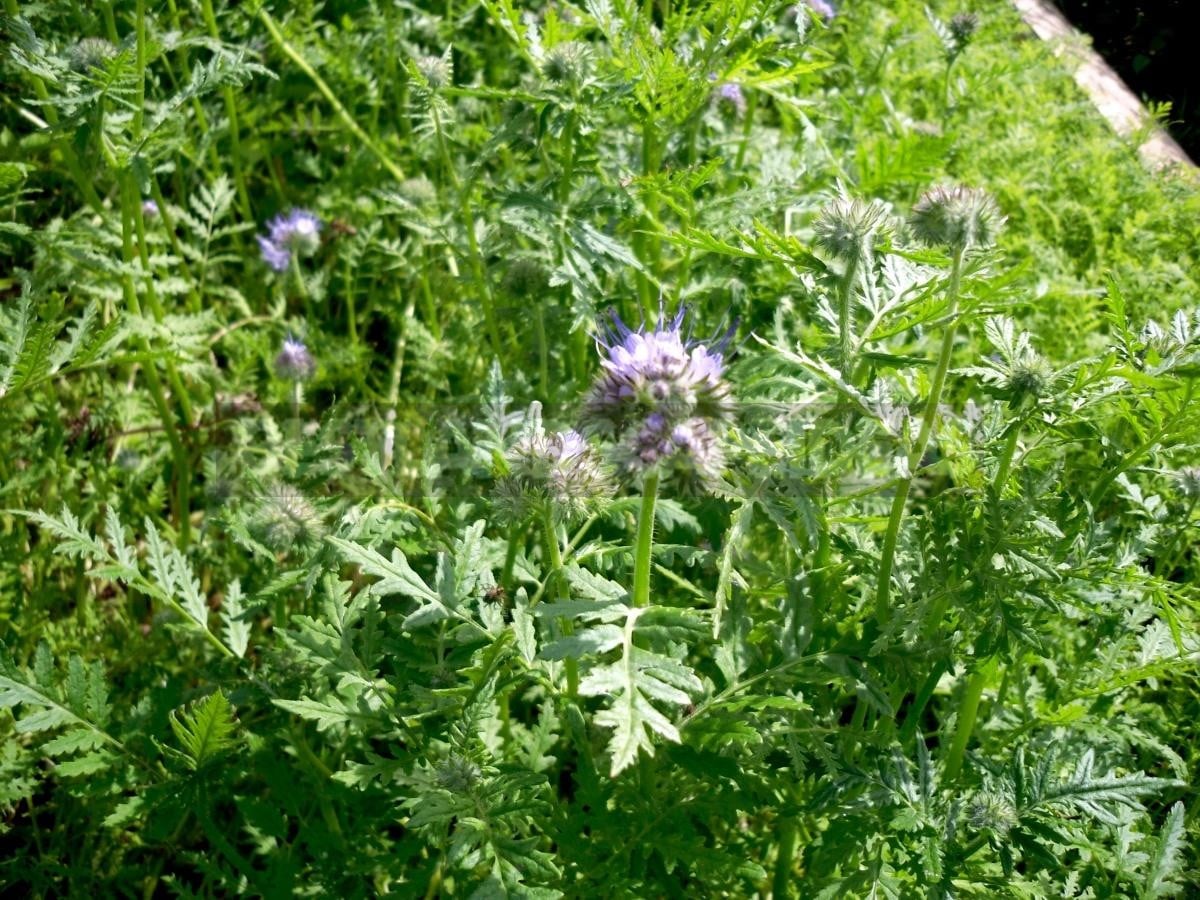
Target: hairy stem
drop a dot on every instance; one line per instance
(1006, 458)
(845, 293)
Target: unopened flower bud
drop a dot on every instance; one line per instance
(438, 71)
(286, 518)
(1188, 481)
(525, 278)
(847, 228)
(91, 53)
(957, 217)
(566, 63)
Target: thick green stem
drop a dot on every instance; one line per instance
(645, 542)
(888, 557)
(543, 348)
(968, 711)
(845, 293)
(781, 883)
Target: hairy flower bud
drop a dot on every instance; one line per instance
(286, 518)
(957, 217)
(566, 63)
(525, 278)
(438, 71)
(847, 228)
(1188, 481)
(418, 191)
(991, 812)
(457, 774)
(962, 28)
(149, 209)
(294, 362)
(687, 453)
(91, 53)
(1029, 378)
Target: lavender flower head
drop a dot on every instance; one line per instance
(729, 99)
(149, 209)
(658, 395)
(298, 232)
(560, 473)
(294, 362)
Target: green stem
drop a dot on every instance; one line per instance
(178, 452)
(1006, 458)
(557, 593)
(968, 711)
(297, 402)
(888, 557)
(912, 719)
(645, 542)
(515, 534)
(468, 224)
(781, 883)
(235, 134)
(351, 313)
(648, 246)
(110, 22)
(342, 113)
(543, 349)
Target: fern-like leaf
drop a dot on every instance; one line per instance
(206, 730)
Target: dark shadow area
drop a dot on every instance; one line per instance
(1151, 45)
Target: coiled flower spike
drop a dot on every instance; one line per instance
(557, 473)
(295, 362)
(660, 371)
(660, 395)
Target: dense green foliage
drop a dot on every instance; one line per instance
(924, 623)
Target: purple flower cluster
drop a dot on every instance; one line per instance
(659, 395)
(823, 8)
(730, 100)
(298, 231)
(294, 362)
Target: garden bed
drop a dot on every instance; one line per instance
(593, 451)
